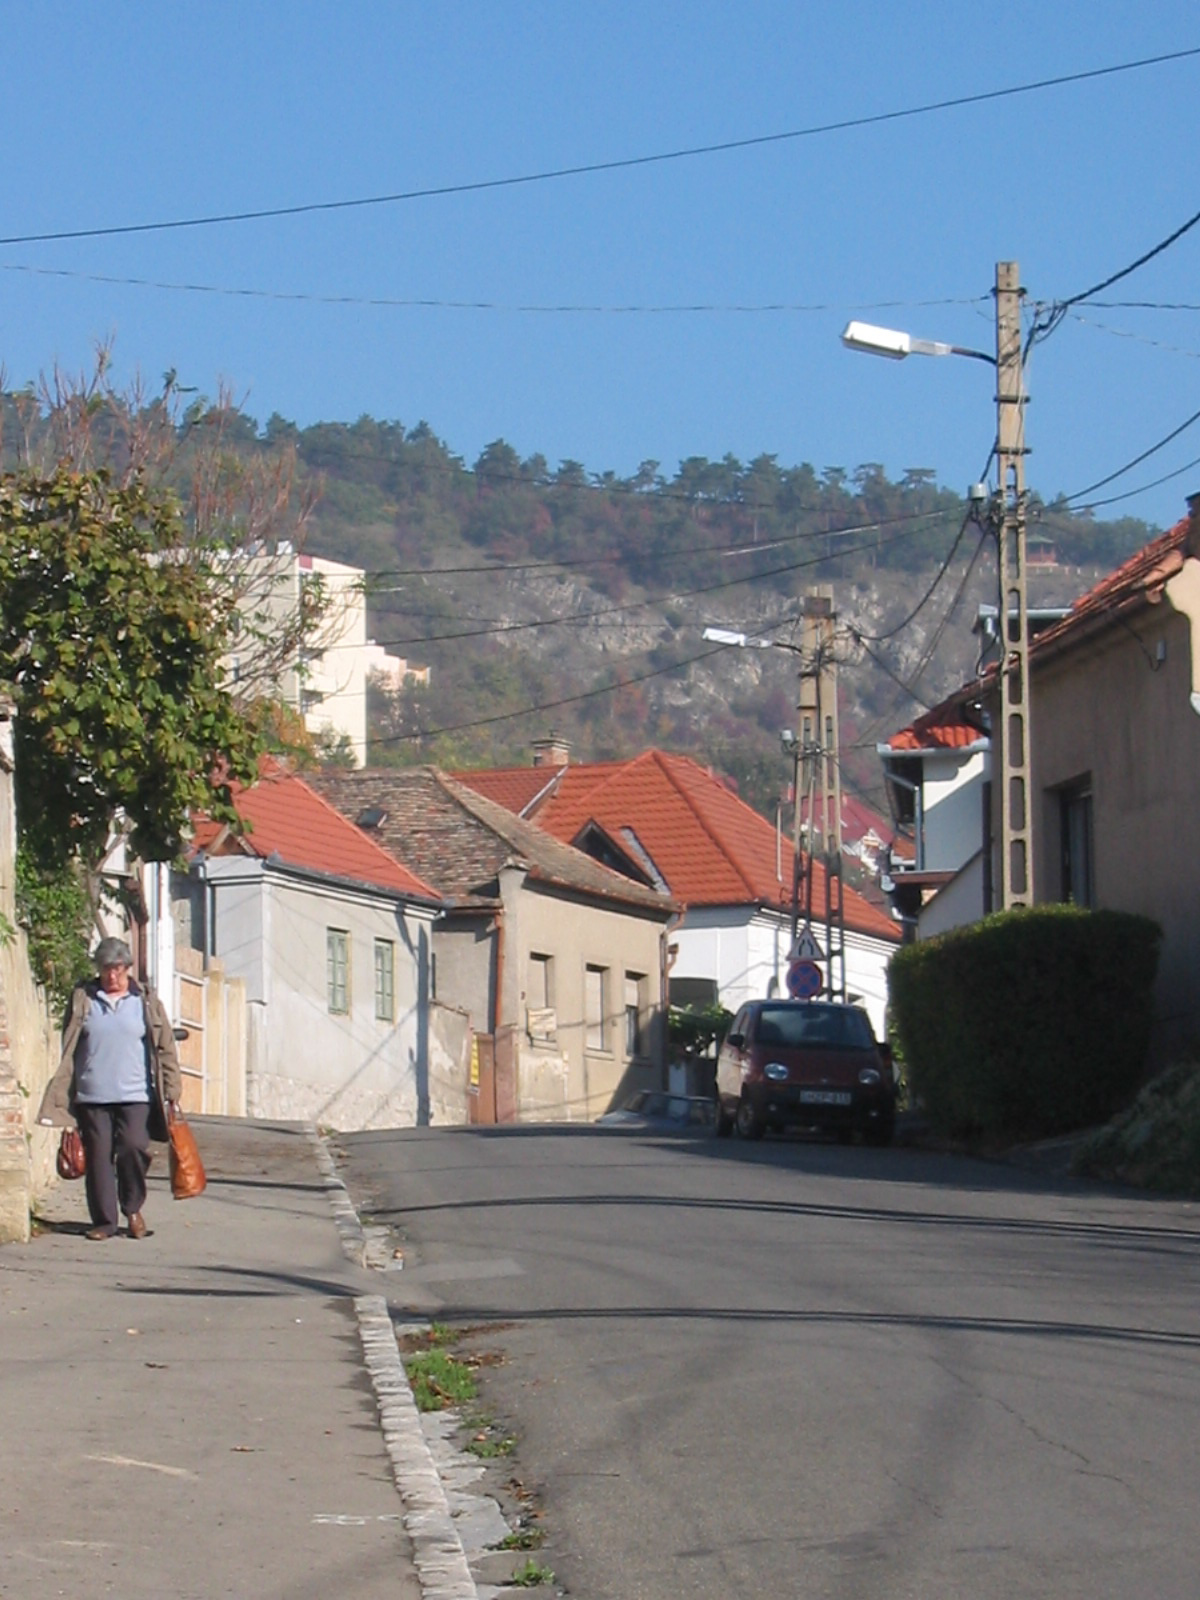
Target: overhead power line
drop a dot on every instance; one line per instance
(1131, 494)
(549, 705)
(424, 303)
(1129, 465)
(600, 612)
(717, 548)
(617, 164)
(878, 638)
(1048, 318)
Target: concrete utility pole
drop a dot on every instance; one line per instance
(1016, 794)
(820, 754)
(1013, 734)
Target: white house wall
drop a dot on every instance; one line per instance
(746, 952)
(952, 799)
(346, 1071)
(957, 903)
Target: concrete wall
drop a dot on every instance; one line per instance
(450, 1035)
(1110, 712)
(346, 1071)
(746, 951)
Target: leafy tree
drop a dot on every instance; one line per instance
(111, 648)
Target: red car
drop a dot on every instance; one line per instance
(805, 1063)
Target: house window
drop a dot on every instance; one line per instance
(635, 1005)
(385, 980)
(540, 1016)
(337, 969)
(595, 982)
(1075, 833)
(540, 993)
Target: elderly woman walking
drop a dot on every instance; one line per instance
(119, 1072)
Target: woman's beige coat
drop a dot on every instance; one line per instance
(58, 1103)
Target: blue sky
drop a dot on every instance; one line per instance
(128, 113)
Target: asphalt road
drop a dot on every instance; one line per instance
(796, 1369)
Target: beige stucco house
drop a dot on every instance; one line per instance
(555, 964)
(1116, 760)
(1115, 763)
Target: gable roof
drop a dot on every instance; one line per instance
(460, 840)
(289, 822)
(1139, 580)
(710, 847)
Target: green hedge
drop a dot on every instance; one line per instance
(1029, 1023)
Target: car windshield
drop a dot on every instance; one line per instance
(829, 1027)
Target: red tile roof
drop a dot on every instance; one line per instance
(514, 788)
(945, 727)
(711, 848)
(1142, 577)
(287, 820)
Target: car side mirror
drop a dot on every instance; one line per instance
(885, 1054)
(737, 1040)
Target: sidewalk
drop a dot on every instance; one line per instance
(190, 1415)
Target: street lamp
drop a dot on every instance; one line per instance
(1016, 791)
(893, 344)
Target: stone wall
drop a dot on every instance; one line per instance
(28, 1037)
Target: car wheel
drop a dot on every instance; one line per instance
(749, 1124)
(722, 1121)
(880, 1133)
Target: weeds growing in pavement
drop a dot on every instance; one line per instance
(531, 1575)
(523, 1539)
(439, 1380)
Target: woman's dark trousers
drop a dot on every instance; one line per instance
(117, 1143)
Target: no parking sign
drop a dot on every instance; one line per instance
(803, 980)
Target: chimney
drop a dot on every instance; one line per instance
(551, 752)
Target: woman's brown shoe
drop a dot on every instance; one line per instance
(137, 1226)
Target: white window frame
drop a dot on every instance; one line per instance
(337, 971)
(385, 980)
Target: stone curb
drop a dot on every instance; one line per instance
(438, 1553)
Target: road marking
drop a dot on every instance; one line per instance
(344, 1519)
(150, 1466)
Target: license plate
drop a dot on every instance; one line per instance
(825, 1097)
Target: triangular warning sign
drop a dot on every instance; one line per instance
(806, 947)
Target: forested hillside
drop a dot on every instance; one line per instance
(568, 600)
